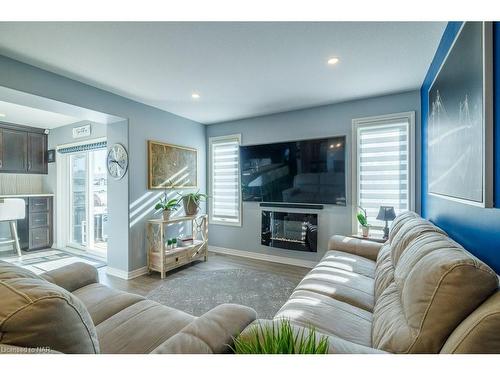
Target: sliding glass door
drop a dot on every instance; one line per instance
(79, 199)
(88, 201)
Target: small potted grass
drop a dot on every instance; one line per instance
(280, 338)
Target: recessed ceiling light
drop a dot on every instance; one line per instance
(333, 60)
(195, 95)
(3, 115)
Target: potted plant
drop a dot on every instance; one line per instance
(280, 338)
(191, 202)
(363, 221)
(167, 206)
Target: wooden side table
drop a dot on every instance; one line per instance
(161, 259)
(369, 238)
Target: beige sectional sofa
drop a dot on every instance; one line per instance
(68, 311)
(420, 292)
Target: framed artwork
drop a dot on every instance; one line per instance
(171, 166)
(460, 124)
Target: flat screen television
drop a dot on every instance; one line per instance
(308, 171)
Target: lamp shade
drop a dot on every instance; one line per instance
(386, 213)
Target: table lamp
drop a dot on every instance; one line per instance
(386, 213)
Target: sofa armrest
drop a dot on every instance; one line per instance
(73, 276)
(364, 248)
(212, 332)
(336, 345)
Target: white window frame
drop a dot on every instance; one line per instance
(377, 121)
(211, 219)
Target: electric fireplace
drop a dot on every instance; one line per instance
(290, 230)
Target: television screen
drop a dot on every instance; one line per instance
(308, 171)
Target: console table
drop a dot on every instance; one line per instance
(369, 238)
(161, 259)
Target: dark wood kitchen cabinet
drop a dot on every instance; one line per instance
(13, 150)
(23, 149)
(36, 229)
(40, 222)
(37, 153)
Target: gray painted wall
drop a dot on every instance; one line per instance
(324, 121)
(145, 123)
(118, 212)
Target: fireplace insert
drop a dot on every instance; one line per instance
(290, 230)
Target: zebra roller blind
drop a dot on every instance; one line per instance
(225, 197)
(384, 166)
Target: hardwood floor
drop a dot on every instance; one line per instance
(144, 284)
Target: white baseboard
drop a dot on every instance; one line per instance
(127, 275)
(266, 257)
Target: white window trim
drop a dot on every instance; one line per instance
(211, 220)
(374, 121)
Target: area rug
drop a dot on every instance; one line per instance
(198, 292)
(48, 260)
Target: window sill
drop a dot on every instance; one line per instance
(224, 223)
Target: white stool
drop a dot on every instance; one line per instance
(12, 209)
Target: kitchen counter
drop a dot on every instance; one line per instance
(26, 195)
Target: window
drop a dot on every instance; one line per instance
(225, 191)
(383, 165)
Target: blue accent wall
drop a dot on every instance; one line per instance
(477, 229)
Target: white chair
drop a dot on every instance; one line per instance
(12, 209)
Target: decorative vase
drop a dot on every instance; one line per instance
(190, 206)
(166, 214)
(366, 231)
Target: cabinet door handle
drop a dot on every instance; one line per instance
(1, 164)
(29, 165)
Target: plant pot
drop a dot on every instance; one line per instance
(166, 215)
(190, 207)
(366, 231)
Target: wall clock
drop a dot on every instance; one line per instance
(117, 161)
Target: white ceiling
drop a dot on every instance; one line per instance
(23, 115)
(239, 69)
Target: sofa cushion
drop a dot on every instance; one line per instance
(36, 313)
(410, 230)
(418, 249)
(349, 262)
(140, 328)
(425, 302)
(399, 221)
(213, 332)
(306, 309)
(479, 332)
(384, 270)
(103, 302)
(346, 286)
